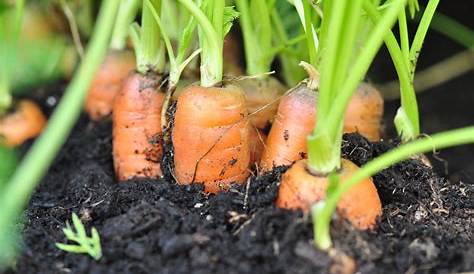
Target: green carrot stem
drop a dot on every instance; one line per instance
(401, 153)
(34, 165)
(126, 14)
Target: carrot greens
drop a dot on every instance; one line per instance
(17, 191)
(214, 20)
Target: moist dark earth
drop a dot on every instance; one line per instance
(156, 226)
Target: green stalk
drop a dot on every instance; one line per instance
(404, 40)
(152, 50)
(453, 29)
(126, 14)
(407, 118)
(34, 165)
(292, 73)
(435, 142)
(323, 144)
(421, 34)
(211, 44)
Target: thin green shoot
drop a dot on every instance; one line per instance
(453, 29)
(214, 22)
(289, 56)
(177, 62)
(338, 83)
(36, 162)
(84, 244)
(255, 21)
(322, 213)
(147, 41)
(126, 15)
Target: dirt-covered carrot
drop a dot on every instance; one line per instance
(118, 63)
(341, 69)
(137, 134)
(24, 122)
(211, 130)
(286, 142)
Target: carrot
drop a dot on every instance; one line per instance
(211, 137)
(299, 189)
(107, 83)
(296, 117)
(294, 120)
(364, 112)
(262, 96)
(137, 130)
(25, 122)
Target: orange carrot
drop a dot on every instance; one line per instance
(293, 122)
(364, 113)
(25, 122)
(211, 137)
(137, 147)
(108, 82)
(296, 117)
(300, 189)
(262, 96)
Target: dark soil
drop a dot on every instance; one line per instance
(156, 226)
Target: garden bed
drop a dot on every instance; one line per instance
(156, 226)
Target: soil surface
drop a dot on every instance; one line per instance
(156, 226)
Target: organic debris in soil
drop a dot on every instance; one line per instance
(157, 226)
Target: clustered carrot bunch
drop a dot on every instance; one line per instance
(229, 120)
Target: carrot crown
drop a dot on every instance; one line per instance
(214, 20)
(147, 40)
(341, 71)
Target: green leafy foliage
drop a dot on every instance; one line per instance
(84, 244)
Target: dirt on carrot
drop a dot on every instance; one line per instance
(137, 133)
(108, 81)
(299, 189)
(211, 137)
(26, 121)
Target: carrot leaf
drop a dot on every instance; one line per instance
(84, 244)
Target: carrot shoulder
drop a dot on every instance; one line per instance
(108, 81)
(137, 134)
(211, 137)
(25, 122)
(300, 190)
(286, 142)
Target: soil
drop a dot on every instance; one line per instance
(156, 226)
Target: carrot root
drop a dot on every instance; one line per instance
(299, 190)
(107, 83)
(137, 134)
(211, 137)
(26, 122)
